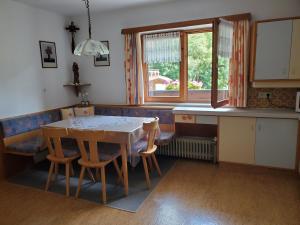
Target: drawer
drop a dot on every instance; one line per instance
(185, 119)
(207, 120)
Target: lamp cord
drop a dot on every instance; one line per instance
(87, 4)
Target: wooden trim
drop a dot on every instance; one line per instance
(13, 152)
(297, 163)
(214, 79)
(244, 16)
(277, 19)
(21, 137)
(2, 149)
(193, 31)
(184, 67)
(218, 138)
(277, 80)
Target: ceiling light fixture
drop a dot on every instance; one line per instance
(90, 47)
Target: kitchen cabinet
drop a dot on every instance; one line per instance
(276, 142)
(237, 139)
(295, 52)
(273, 44)
(275, 53)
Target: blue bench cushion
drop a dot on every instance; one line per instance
(165, 115)
(26, 123)
(164, 138)
(30, 146)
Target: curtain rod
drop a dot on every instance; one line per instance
(244, 16)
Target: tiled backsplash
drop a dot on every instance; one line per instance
(281, 98)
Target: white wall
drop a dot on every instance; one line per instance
(108, 84)
(24, 86)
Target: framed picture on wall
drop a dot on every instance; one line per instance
(102, 60)
(48, 54)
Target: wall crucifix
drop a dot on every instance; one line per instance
(72, 29)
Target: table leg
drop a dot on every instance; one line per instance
(124, 167)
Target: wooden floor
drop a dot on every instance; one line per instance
(191, 193)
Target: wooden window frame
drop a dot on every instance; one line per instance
(183, 71)
(214, 80)
(182, 77)
(183, 64)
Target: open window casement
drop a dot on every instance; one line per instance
(222, 53)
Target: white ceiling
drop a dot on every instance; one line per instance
(76, 7)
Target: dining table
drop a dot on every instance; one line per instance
(117, 129)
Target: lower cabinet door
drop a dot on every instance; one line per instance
(237, 139)
(276, 142)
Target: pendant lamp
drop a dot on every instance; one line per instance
(90, 47)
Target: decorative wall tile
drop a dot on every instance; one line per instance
(281, 98)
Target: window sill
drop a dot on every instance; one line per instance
(177, 104)
(186, 104)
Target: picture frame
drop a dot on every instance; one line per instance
(48, 54)
(102, 60)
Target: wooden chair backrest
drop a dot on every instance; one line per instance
(151, 129)
(92, 138)
(53, 139)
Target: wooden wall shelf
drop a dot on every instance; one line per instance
(77, 87)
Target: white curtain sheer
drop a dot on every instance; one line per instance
(163, 47)
(225, 38)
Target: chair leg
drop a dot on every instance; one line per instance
(67, 179)
(103, 183)
(146, 171)
(91, 175)
(71, 170)
(49, 176)
(80, 181)
(150, 164)
(119, 172)
(56, 168)
(98, 177)
(156, 164)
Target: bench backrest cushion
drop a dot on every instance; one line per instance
(165, 115)
(22, 124)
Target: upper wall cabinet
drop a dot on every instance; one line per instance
(276, 51)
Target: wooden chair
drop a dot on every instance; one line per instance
(59, 155)
(97, 156)
(149, 151)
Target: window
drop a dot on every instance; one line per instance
(179, 66)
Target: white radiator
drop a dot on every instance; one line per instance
(191, 148)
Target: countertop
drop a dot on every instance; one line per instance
(262, 113)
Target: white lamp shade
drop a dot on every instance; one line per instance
(91, 47)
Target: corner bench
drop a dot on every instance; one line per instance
(22, 135)
(165, 115)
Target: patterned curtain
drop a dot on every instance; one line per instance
(163, 47)
(134, 69)
(239, 64)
